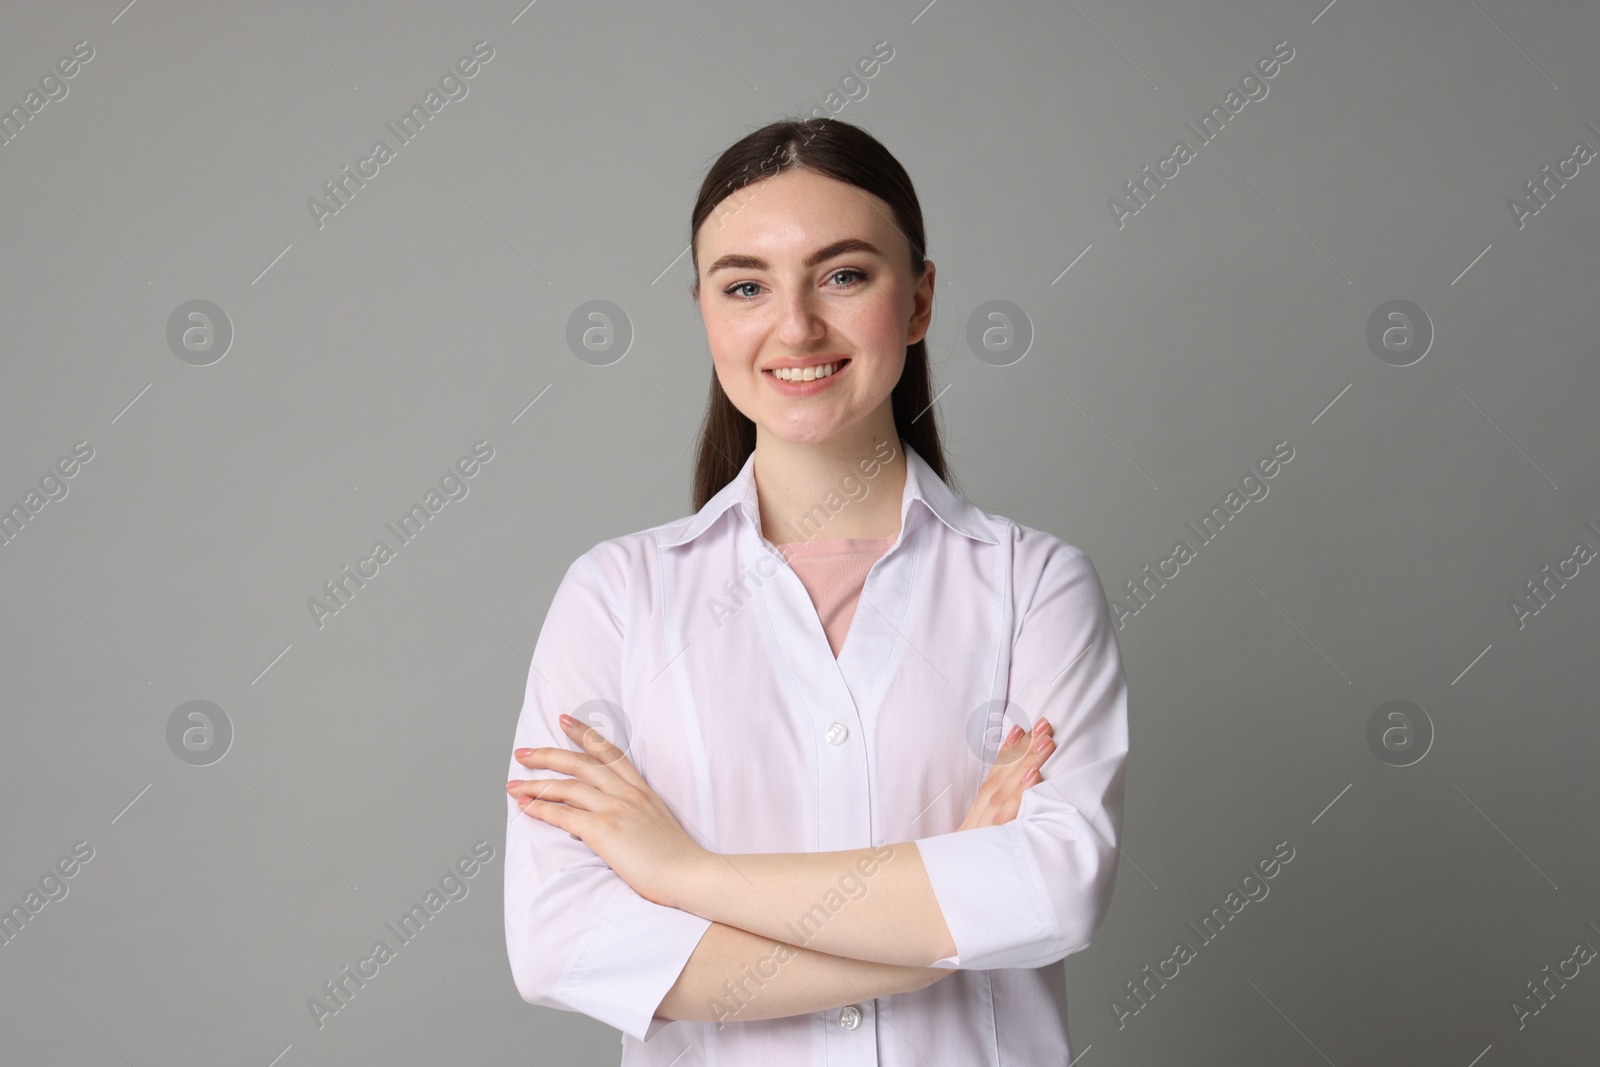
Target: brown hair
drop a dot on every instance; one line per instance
(848, 154)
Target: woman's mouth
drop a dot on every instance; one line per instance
(808, 374)
(807, 381)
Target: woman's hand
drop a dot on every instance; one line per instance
(608, 804)
(1016, 768)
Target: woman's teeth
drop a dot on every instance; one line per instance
(806, 374)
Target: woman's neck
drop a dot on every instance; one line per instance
(830, 491)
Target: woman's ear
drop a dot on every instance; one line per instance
(921, 305)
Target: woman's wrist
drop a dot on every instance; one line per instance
(686, 883)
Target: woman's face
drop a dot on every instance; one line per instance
(803, 270)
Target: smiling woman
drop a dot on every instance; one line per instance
(805, 841)
(839, 321)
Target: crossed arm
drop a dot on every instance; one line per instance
(812, 981)
(874, 946)
(769, 906)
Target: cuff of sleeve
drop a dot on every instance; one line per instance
(965, 867)
(629, 961)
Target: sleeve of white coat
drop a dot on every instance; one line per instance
(579, 938)
(1029, 892)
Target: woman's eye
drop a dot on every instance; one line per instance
(749, 290)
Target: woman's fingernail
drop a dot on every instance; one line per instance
(519, 753)
(1016, 732)
(1044, 739)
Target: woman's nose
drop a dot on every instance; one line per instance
(800, 320)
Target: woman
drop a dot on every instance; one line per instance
(806, 841)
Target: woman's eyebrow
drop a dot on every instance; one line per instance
(821, 255)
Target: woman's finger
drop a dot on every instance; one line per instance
(558, 815)
(1020, 742)
(602, 765)
(999, 781)
(579, 765)
(1022, 775)
(1043, 747)
(1030, 774)
(1011, 748)
(1014, 752)
(1004, 758)
(595, 744)
(567, 791)
(1007, 809)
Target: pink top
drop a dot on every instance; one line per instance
(834, 572)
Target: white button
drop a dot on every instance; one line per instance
(837, 733)
(850, 1017)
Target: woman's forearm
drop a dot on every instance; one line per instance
(736, 976)
(871, 904)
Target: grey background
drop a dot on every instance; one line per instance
(429, 313)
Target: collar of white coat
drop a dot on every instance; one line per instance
(922, 487)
